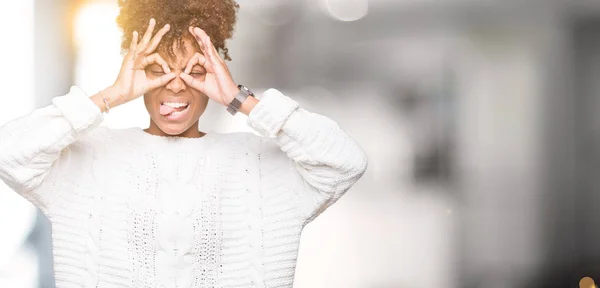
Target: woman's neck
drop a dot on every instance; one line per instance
(191, 132)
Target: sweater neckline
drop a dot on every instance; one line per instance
(151, 139)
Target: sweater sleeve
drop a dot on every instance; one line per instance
(328, 160)
(30, 145)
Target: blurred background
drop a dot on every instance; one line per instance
(479, 118)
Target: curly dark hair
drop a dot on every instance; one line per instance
(216, 17)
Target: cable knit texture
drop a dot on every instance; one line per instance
(130, 209)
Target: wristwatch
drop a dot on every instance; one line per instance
(240, 97)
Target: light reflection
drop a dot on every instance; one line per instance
(346, 10)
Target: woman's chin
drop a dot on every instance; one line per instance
(173, 129)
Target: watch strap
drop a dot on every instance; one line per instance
(239, 98)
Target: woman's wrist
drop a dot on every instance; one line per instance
(230, 93)
(107, 99)
(248, 105)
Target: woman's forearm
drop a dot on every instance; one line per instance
(325, 156)
(112, 97)
(29, 145)
(248, 105)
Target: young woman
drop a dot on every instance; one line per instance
(172, 206)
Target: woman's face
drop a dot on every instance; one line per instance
(175, 108)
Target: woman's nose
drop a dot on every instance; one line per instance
(177, 85)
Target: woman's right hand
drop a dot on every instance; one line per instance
(132, 81)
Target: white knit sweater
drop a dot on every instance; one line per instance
(130, 209)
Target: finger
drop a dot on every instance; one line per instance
(201, 37)
(147, 35)
(191, 30)
(211, 49)
(156, 58)
(198, 36)
(218, 65)
(199, 33)
(144, 61)
(161, 81)
(207, 45)
(193, 61)
(132, 46)
(157, 38)
(190, 81)
(206, 42)
(197, 59)
(214, 60)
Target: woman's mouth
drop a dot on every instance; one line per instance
(174, 110)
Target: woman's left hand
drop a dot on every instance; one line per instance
(217, 82)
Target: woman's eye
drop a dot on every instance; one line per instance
(156, 72)
(196, 73)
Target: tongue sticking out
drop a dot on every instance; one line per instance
(166, 110)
